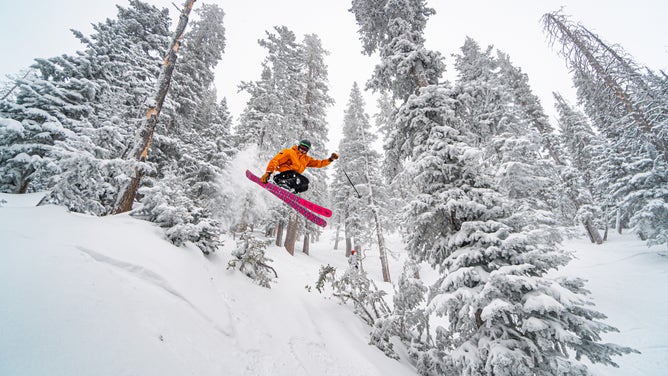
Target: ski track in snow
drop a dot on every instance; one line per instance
(150, 277)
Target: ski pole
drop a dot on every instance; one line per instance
(351, 183)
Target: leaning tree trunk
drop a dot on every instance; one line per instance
(140, 150)
(630, 107)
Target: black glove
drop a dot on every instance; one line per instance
(333, 157)
(265, 178)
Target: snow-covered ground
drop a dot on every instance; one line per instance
(81, 295)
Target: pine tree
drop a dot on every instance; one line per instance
(197, 141)
(288, 104)
(250, 259)
(258, 117)
(316, 100)
(87, 169)
(630, 110)
(365, 217)
(503, 312)
(583, 150)
(394, 29)
(47, 108)
(203, 48)
(494, 285)
(615, 83)
(144, 136)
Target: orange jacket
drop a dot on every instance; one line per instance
(291, 159)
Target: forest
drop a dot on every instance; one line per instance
(471, 172)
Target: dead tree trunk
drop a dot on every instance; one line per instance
(629, 105)
(140, 151)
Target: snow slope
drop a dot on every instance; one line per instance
(82, 295)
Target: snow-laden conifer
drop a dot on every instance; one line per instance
(365, 217)
(47, 108)
(629, 108)
(250, 259)
(505, 315)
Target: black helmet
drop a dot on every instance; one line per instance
(305, 143)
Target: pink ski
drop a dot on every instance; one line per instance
(292, 200)
(317, 209)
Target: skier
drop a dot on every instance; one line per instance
(353, 260)
(290, 163)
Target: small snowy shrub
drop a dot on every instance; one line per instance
(251, 260)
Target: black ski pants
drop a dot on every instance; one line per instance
(292, 180)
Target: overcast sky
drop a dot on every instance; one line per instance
(40, 28)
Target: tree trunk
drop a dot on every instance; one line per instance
(593, 233)
(336, 239)
(630, 107)
(307, 243)
(419, 75)
(140, 152)
(374, 211)
(26, 183)
(349, 246)
(291, 234)
(279, 233)
(381, 248)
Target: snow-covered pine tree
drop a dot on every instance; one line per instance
(316, 100)
(144, 135)
(250, 259)
(285, 55)
(260, 113)
(121, 57)
(287, 104)
(615, 82)
(500, 114)
(505, 315)
(197, 140)
(46, 108)
(627, 108)
(394, 29)
(561, 198)
(585, 151)
(502, 309)
(365, 217)
(202, 50)
(407, 320)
